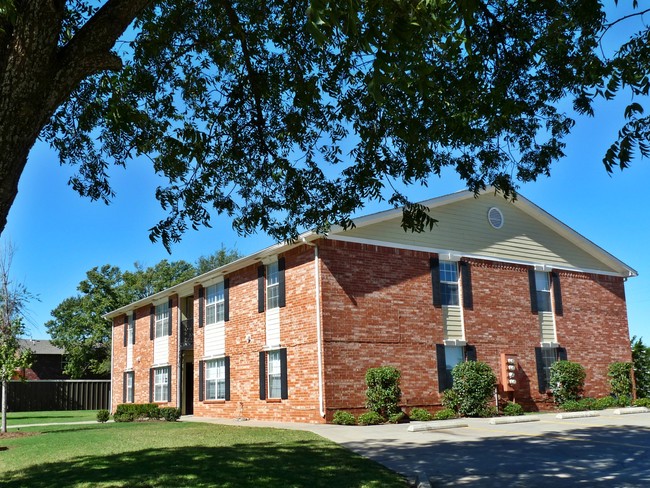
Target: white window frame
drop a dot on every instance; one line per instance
(130, 380)
(543, 290)
(274, 375)
(215, 379)
(215, 303)
(162, 320)
(449, 287)
(160, 384)
(130, 330)
(272, 285)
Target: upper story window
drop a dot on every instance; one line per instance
(449, 283)
(543, 288)
(162, 319)
(131, 330)
(272, 286)
(215, 304)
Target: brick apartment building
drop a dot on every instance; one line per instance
(288, 333)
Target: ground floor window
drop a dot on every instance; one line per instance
(273, 374)
(453, 356)
(215, 379)
(545, 358)
(447, 357)
(159, 380)
(129, 383)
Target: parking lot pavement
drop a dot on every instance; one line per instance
(608, 450)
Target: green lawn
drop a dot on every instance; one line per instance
(177, 454)
(28, 418)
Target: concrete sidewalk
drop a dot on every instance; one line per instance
(604, 450)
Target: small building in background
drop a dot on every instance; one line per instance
(48, 360)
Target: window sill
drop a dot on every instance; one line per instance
(273, 400)
(214, 402)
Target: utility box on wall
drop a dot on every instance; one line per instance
(510, 370)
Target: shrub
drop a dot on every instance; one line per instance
(642, 402)
(103, 416)
(445, 414)
(370, 418)
(567, 381)
(124, 417)
(137, 411)
(620, 381)
(605, 402)
(383, 393)
(573, 406)
(420, 414)
(512, 409)
(170, 414)
(396, 418)
(451, 400)
(474, 383)
(344, 418)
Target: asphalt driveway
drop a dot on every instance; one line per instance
(608, 450)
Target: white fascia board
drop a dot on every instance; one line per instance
(359, 240)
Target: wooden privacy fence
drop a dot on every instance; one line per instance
(43, 395)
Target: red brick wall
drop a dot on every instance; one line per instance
(378, 310)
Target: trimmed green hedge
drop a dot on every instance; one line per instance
(128, 412)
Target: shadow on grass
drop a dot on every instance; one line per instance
(605, 456)
(295, 464)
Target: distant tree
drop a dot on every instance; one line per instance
(220, 258)
(13, 299)
(78, 326)
(144, 282)
(641, 361)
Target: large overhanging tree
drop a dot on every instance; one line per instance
(289, 114)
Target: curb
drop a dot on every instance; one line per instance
(630, 410)
(435, 425)
(513, 420)
(577, 415)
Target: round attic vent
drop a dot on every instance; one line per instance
(495, 217)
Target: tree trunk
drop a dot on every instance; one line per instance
(3, 429)
(37, 75)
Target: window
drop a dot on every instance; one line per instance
(449, 283)
(161, 384)
(128, 387)
(215, 304)
(546, 357)
(215, 379)
(543, 288)
(272, 286)
(453, 356)
(131, 330)
(162, 320)
(274, 375)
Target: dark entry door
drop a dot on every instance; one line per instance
(189, 388)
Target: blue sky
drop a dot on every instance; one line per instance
(59, 236)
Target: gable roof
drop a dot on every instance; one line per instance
(372, 229)
(40, 346)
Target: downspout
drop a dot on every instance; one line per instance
(110, 393)
(319, 342)
(179, 355)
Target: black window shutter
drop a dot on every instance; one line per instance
(470, 353)
(133, 336)
(201, 305)
(557, 294)
(226, 300)
(539, 363)
(261, 285)
(466, 279)
(124, 379)
(434, 263)
(126, 329)
(151, 373)
(226, 365)
(262, 375)
(442, 367)
(282, 296)
(201, 380)
(561, 354)
(169, 320)
(169, 383)
(152, 322)
(533, 290)
(284, 387)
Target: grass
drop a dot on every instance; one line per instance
(177, 454)
(28, 418)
